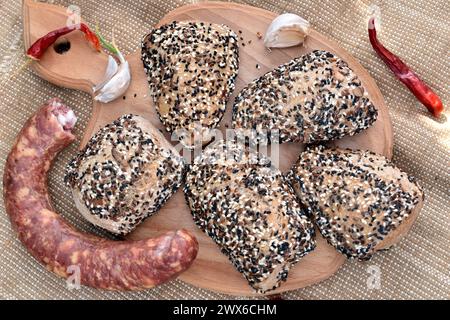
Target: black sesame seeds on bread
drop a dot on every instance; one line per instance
(125, 173)
(249, 209)
(312, 98)
(191, 68)
(360, 201)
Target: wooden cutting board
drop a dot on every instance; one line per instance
(81, 67)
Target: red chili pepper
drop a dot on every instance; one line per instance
(422, 92)
(91, 36)
(38, 48)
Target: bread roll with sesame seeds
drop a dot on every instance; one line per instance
(250, 210)
(191, 68)
(125, 173)
(315, 97)
(361, 202)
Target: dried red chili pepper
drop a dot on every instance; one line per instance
(38, 48)
(422, 92)
(91, 36)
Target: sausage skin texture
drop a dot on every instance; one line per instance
(103, 263)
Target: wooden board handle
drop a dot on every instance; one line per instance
(81, 67)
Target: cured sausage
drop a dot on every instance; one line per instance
(102, 263)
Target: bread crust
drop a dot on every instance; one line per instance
(126, 172)
(249, 209)
(191, 67)
(315, 97)
(360, 201)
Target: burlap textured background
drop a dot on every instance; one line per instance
(418, 30)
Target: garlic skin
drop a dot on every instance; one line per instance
(117, 84)
(286, 30)
(111, 70)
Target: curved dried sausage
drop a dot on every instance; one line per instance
(103, 263)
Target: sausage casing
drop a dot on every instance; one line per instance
(102, 263)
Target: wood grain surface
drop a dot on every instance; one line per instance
(81, 67)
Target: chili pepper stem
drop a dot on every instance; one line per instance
(119, 54)
(105, 44)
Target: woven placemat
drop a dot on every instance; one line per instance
(417, 268)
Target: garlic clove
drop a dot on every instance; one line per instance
(117, 85)
(111, 70)
(286, 30)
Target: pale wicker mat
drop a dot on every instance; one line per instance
(417, 30)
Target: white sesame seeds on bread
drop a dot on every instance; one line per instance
(191, 68)
(312, 98)
(249, 209)
(126, 172)
(360, 201)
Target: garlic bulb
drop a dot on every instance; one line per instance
(286, 30)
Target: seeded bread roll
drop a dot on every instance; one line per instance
(315, 97)
(191, 68)
(248, 208)
(360, 201)
(126, 172)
